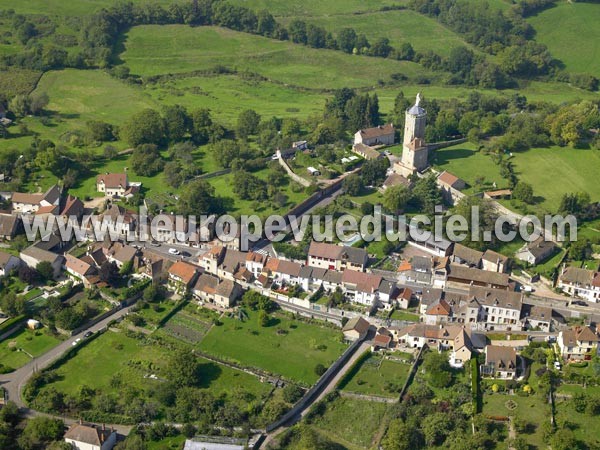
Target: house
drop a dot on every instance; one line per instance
(112, 184)
(381, 341)
(336, 257)
(233, 260)
(500, 362)
(536, 317)
(10, 226)
(8, 263)
(459, 276)
(31, 203)
(437, 313)
(72, 209)
(154, 268)
(34, 254)
(395, 179)
(578, 343)
(255, 262)
(120, 220)
(223, 293)
(356, 328)
(380, 135)
(404, 298)
(90, 437)
(499, 309)
(462, 350)
(580, 282)
(451, 187)
(366, 151)
(440, 337)
(122, 254)
(80, 269)
(467, 256)
(494, 262)
(389, 293)
(212, 259)
(181, 277)
(361, 287)
(216, 443)
(537, 251)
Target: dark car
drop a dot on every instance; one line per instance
(87, 334)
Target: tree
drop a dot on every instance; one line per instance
(297, 31)
(144, 127)
(247, 123)
(201, 124)
(346, 40)
(11, 305)
(320, 369)
(177, 122)
(427, 195)
(400, 436)
(45, 269)
(353, 184)
(263, 318)
(487, 215)
(437, 366)
(40, 432)
(564, 439)
(580, 250)
(292, 393)
(27, 275)
(523, 192)
(99, 131)
(126, 268)
(225, 152)
(146, 160)
(395, 198)
(198, 197)
(108, 272)
(183, 369)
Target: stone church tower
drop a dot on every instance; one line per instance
(414, 150)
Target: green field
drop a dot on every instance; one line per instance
(380, 377)
(315, 8)
(571, 32)
(351, 422)
(464, 161)
(115, 355)
(541, 167)
(291, 348)
(422, 32)
(65, 8)
(155, 49)
(555, 171)
(26, 342)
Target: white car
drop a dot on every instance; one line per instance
(173, 251)
(76, 341)
(557, 365)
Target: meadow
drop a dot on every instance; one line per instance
(28, 344)
(117, 356)
(377, 376)
(351, 422)
(154, 50)
(541, 167)
(287, 347)
(64, 8)
(571, 32)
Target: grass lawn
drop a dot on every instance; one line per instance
(115, 354)
(400, 314)
(34, 343)
(584, 426)
(155, 50)
(532, 408)
(546, 268)
(288, 347)
(378, 376)
(577, 170)
(464, 161)
(310, 8)
(569, 26)
(351, 421)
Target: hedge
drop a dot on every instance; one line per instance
(11, 323)
(475, 390)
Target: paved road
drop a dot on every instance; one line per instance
(14, 382)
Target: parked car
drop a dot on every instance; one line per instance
(87, 334)
(557, 365)
(174, 251)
